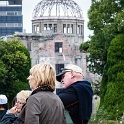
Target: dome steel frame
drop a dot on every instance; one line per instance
(68, 7)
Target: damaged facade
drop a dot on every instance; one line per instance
(55, 37)
(57, 32)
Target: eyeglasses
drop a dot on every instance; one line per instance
(17, 102)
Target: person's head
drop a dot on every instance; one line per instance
(21, 98)
(42, 75)
(3, 102)
(70, 74)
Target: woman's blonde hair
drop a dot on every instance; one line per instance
(23, 95)
(44, 74)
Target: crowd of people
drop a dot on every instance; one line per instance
(42, 105)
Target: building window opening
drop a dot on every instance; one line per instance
(36, 28)
(50, 27)
(45, 26)
(64, 28)
(81, 30)
(71, 29)
(78, 29)
(55, 28)
(58, 46)
(58, 68)
(9, 13)
(68, 28)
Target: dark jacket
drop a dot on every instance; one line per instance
(2, 113)
(42, 107)
(9, 119)
(77, 99)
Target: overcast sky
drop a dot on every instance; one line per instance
(29, 5)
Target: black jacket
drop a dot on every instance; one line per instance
(77, 98)
(2, 113)
(9, 119)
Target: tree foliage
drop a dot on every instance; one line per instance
(114, 96)
(14, 67)
(106, 19)
(84, 46)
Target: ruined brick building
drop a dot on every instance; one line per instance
(57, 32)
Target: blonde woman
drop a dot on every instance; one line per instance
(43, 106)
(11, 117)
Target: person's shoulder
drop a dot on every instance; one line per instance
(82, 85)
(83, 82)
(69, 89)
(39, 95)
(35, 95)
(7, 118)
(33, 99)
(3, 112)
(66, 90)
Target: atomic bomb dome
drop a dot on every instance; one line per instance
(57, 32)
(67, 8)
(57, 16)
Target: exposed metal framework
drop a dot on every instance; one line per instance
(57, 8)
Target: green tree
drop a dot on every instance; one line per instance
(15, 65)
(106, 20)
(84, 46)
(114, 97)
